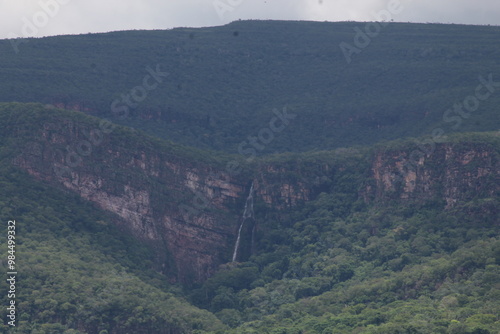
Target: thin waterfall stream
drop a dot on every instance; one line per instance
(247, 213)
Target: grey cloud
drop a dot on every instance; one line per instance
(100, 16)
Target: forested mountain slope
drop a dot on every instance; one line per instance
(250, 179)
(214, 87)
(382, 239)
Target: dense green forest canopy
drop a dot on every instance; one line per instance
(335, 264)
(214, 87)
(78, 273)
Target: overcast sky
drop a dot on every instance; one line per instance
(37, 18)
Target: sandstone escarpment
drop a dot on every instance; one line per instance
(175, 205)
(188, 207)
(453, 172)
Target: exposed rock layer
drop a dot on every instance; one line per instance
(188, 211)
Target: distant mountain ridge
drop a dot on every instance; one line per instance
(247, 179)
(216, 86)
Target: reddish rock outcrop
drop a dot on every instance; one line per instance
(454, 172)
(188, 210)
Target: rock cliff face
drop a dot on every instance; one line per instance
(174, 205)
(189, 210)
(453, 172)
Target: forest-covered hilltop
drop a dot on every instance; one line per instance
(248, 179)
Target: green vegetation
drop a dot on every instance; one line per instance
(333, 265)
(76, 270)
(222, 87)
(381, 270)
(20, 122)
(336, 264)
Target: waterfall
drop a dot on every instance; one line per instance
(237, 245)
(252, 249)
(247, 213)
